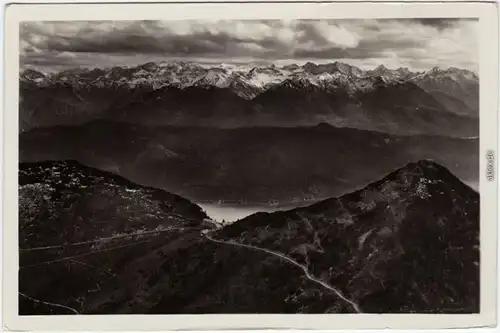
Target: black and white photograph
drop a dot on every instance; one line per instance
(249, 166)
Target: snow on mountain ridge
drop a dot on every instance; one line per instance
(247, 81)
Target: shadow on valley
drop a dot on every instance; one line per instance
(247, 166)
(406, 243)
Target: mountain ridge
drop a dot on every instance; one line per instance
(377, 243)
(423, 167)
(211, 164)
(186, 74)
(186, 94)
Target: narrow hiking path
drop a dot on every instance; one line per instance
(293, 262)
(97, 240)
(49, 303)
(83, 254)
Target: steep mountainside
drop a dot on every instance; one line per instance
(247, 164)
(452, 83)
(69, 212)
(71, 190)
(188, 94)
(407, 243)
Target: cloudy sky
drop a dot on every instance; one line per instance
(418, 44)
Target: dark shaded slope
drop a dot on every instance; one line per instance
(405, 108)
(80, 190)
(455, 104)
(65, 104)
(466, 91)
(247, 164)
(193, 106)
(406, 243)
(394, 107)
(78, 224)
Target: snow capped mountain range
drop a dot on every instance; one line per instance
(248, 82)
(436, 102)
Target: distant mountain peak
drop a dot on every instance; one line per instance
(435, 69)
(291, 67)
(149, 66)
(384, 71)
(32, 75)
(297, 83)
(248, 82)
(403, 70)
(324, 126)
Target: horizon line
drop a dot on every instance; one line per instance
(220, 64)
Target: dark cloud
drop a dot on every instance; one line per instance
(438, 23)
(42, 43)
(337, 53)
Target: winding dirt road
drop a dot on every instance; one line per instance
(293, 262)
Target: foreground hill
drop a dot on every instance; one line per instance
(186, 94)
(407, 243)
(252, 165)
(70, 190)
(67, 210)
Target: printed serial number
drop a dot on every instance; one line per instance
(490, 165)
